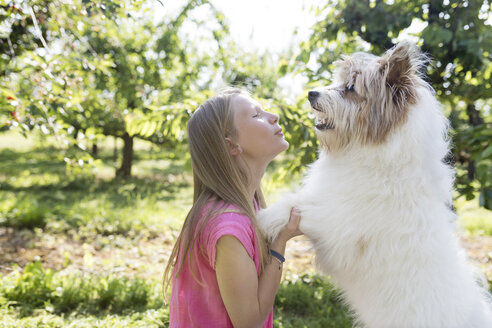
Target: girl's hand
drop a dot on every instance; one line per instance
(291, 229)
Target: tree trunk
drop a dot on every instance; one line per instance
(95, 149)
(474, 119)
(473, 115)
(125, 171)
(115, 152)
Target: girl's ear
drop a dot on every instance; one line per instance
(234, 149)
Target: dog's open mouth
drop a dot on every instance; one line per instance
(324, 124)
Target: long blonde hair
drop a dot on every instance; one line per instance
(216, 178)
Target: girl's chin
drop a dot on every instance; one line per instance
(283, 147)
(286, 145)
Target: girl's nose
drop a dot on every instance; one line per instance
(273, 118)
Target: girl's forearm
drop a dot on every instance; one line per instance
(269, 281)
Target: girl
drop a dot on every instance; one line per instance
(223, 273)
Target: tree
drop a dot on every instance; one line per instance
(121, 76)
(25, 27)
(456, 34)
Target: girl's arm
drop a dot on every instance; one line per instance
(248, 300)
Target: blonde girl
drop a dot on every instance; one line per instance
(222, 272)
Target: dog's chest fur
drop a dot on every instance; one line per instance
(359, 210)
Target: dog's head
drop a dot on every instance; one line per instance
(369, 97)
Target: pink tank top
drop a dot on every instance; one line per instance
(195, 304)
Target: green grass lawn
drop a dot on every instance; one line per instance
(473, 219)
(42, 202)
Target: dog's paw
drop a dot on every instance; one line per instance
(272, 219)
(270, 225)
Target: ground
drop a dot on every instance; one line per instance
(146, 255)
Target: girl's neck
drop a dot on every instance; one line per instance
(256, 170)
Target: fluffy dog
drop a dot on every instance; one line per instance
(376, 204)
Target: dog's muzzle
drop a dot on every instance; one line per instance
(313, 99)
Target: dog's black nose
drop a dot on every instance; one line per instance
(312, 95)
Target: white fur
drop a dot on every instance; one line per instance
(380, 223)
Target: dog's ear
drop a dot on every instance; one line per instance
(399, 67)
(402, 60)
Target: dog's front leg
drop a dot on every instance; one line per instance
(273, 218)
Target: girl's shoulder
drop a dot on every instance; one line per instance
(227, 220)
(224, 213)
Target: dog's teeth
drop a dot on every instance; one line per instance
(324, 123)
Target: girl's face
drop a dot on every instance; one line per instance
(258, 133)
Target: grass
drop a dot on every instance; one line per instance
(310, 301)
(472, 218)
(40, 288)
(37, 191)
(38, 295)
(44, 319)
(42, 197)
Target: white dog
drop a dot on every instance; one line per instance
(376, 204)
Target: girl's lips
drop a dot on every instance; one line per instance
(279, 133)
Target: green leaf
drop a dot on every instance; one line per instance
(148, 128)
(8, 94)
(485, 199)
(304, 56)
(487, 152)
(131, 125)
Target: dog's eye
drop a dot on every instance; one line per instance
(350, 88)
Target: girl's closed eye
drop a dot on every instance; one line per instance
(257, 115)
